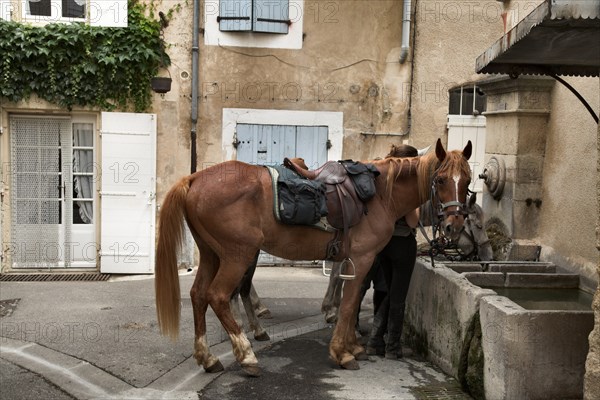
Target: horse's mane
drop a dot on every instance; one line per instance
(399, 167)
(425, 167)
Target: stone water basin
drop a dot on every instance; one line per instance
(548, 299)
(505, 330)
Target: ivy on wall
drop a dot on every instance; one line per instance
(80, 65)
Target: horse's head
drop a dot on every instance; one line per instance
(474, 240)
(450, 183)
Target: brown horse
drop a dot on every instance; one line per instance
(229, 210)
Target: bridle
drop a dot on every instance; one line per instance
(440, 243)
(474, 254)
(442, 208)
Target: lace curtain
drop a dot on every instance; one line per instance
(83, 162)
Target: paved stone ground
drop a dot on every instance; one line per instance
(299, 368)
(99, 340)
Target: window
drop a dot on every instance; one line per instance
(227, 14)
(68, 9)
(95, 12)
(466, 100)
(268, 16)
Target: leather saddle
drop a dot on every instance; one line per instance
(344, 207)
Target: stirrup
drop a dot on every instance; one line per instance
(326, 269)
(347, 277)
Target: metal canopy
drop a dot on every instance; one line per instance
(559, 37)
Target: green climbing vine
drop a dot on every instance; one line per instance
(80, 65)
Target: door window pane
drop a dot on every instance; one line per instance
(39, 7)
(73, 8)
(83, 173)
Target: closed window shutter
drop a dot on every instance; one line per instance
(271, 16)
(5, 9)
(235, 15)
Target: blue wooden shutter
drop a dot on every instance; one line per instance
(235, 15)
(311, 144)
(271, 16)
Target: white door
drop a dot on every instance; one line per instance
(270, 144)
(128, 203)
(38, 192)
(461, 129)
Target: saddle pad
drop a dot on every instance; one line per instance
(297, 201)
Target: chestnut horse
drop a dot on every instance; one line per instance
(473, 242)
(229, 210)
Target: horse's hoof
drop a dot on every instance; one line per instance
(351, 365)
(252, 370)
(264, 314)
(361, 356)
(262, 337)
(216, 367)
(330, 318)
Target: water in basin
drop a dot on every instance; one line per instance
(548, 299)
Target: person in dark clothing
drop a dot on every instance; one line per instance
(376, 277)
(397, 261)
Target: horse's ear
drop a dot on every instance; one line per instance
(468, 150)
(472, 200)
(439, 150)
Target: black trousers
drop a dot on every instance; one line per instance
(398, 262)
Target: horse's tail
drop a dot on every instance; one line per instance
(166, 279)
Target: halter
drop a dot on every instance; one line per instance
(442, 208)
(438, 245)
(473, 255)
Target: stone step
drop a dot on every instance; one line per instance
(527, 280)
(540, 268)
(461, 267)
(564, 281)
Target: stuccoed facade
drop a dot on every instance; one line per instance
(339, 66)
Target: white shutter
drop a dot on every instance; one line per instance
(5, 10)
(461, 129)
(128, 203)
(108, 13)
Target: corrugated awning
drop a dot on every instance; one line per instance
(559, 37)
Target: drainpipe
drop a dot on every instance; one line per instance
(194, 116)
(405, 31)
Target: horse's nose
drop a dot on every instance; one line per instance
(448, 229)
(452, 229)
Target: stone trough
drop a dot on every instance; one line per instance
(505, 330)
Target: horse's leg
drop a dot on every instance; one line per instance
(259, 308)
(331, 301)
(228, 277)
(234, 303)
(245, 293)
(344, 348)
(204, 276)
